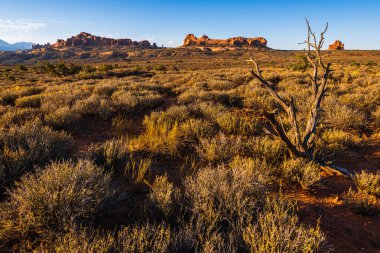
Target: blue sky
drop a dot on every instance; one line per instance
(356, 23)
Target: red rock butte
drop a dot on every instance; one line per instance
(191, 40)
(337, 45)
(87, 39)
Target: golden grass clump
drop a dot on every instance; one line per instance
(278, 230)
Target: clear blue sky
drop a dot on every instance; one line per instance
(356, 23)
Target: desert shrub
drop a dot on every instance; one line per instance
(146, 238)
(260, 170)
(278, 230)
(56, 97)
(160, 68)
(58, 69)
(62, 117)
(343, 117)
(184, 239)
(9, 96)
(128, 102)
(376, 116)
(177, 129)
(231, 124)
(301, 171)
(364, 200)
(26, 146)
(104, 67)
(105, 89)
(95, 105)
(361, 202)
(33, 101)
(111, 154)
(162, 194)
(78, 240)
(301, 63)
(264, 148)
(88, 69)
(21, 67)
(368, 182)
(17, 116)
(334, 143)
(219, 148)
(209, 110)
(51, 199)
(355, 64)
(223, 97)
(193, 130)
(223, 198)
(115, 155)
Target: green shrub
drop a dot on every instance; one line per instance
(104, 67)
(58, 69)
(301, 63)
(53, 198)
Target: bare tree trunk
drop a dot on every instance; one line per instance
(302, 145)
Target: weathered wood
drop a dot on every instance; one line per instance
(302, 146)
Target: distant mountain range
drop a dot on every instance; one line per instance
(5, 46)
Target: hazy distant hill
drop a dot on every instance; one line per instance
(5, 46)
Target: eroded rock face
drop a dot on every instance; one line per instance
(86, 39)
(337, 45)
(191, 40)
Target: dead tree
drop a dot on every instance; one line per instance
(301, 144)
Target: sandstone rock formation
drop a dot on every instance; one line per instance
(337, 45)
(191, 40)
(86, 39)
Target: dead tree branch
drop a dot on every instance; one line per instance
(303, 144)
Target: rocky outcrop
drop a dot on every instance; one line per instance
(337, 45)
(191, 40)
(86, 39)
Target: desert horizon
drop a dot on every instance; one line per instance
(140, 133)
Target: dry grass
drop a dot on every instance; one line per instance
(191, 130)
(53, 198)
(278, 230)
